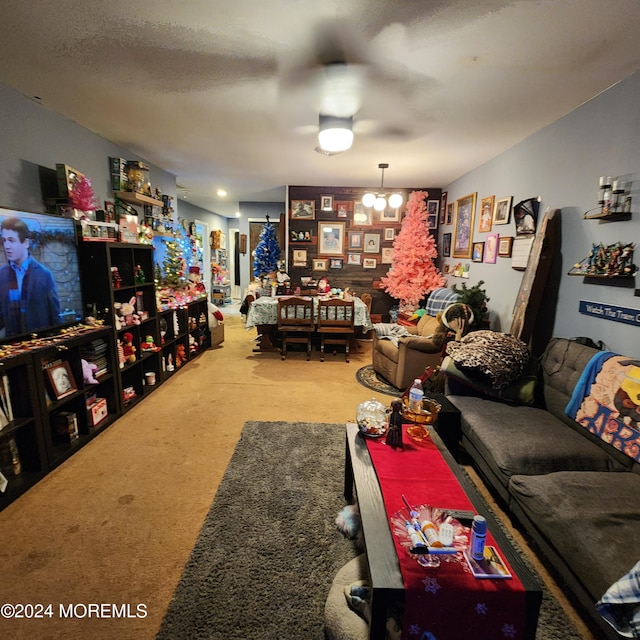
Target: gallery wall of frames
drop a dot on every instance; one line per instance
(331, 234)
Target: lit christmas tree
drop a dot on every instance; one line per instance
(267, 252)
(413, 274)
(173, 264)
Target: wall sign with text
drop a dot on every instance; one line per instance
(610, 312)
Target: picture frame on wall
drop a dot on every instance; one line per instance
(486, 213)
(463, 226)
(502, 210)
(446, 245)
(362, 215)
(371, 243)
(344, 208)
(443, 206)
(478, 252)
(449, 217)
(326, 203)
(319, 264)
(369, 263)
(390, 215)
(389, 234)
(354, 258)
(331, 238)
(299, 257)
(433, 207)
(387, 255)
(491, 248)
(355, 240)
(61, 380)
(505, 246)
(303, 210)
(335, 263)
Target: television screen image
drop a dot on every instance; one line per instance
(40, 285)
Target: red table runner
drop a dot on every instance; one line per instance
(445, 602)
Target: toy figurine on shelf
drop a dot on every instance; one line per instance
(394, 433)
(195, 281)
(181, 355)
(128, 349)
(116, 278)
(149, 344)
(138, 275)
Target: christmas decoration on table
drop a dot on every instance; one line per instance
(128, 349)
(282, 279)
(413, 274)
(82, 198)
(267, 252)
(323, 286)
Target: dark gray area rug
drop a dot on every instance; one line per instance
(269, 549)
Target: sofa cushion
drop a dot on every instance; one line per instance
(591, 519)
(526, 440)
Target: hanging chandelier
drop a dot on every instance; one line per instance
(379, 200)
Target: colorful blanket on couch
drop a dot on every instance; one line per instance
(606, 401)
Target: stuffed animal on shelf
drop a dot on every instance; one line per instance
(88, 372)
(195, 281)
(181, 355)
(128, 350)
(149, 344)
(128, 312)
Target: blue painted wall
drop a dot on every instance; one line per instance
(562, 164)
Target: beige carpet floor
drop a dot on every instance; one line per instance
(115, 524)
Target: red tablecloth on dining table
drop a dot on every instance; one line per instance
(445, 602)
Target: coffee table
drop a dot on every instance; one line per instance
(384, 569)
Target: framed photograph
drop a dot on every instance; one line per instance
(433, 207)
(303, 210)
(449, 217)
(354, 258)
(300, 236)
(361, 215)
(446, 268)
(390, 215)
(110, 210)
(491, 248)
(504, 246)
(446, 244)
(387, 255)
(343, 208)
(371, 243)
(369, 263)
(389, 234)
(486, 212)
(61, 379)
(478, 252)
(331, 238)
(443, 206)
(300, 258)
(463, 226)
(502, 210)
(525, 215)
(326, 203)
(355, 240)
(335, 263)
(319, 264)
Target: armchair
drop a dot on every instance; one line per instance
(401, 363)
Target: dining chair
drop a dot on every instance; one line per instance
(295, 322)
(336, 324)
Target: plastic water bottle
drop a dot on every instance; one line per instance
(415, 396)
(478, 537)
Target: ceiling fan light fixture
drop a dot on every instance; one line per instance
(336, 134)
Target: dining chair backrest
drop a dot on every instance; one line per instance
(295, 312)
(337, 315)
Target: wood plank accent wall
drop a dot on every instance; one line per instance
(303, 235)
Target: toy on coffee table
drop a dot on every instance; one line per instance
(394, 433)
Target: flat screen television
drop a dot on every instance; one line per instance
(40, 287)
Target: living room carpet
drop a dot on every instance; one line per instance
(367, 377)
(269, 549)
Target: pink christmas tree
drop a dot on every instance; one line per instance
(82, 196)
(413, 274)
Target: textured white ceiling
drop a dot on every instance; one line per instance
(227, 94)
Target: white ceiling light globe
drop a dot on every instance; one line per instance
(395, 200)
(380, 204)
(335, 140)
(368, 199)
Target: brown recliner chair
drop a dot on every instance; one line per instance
(402, 364)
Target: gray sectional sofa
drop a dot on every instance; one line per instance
(576, 496)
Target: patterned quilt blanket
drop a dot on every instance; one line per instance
(606, 401)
